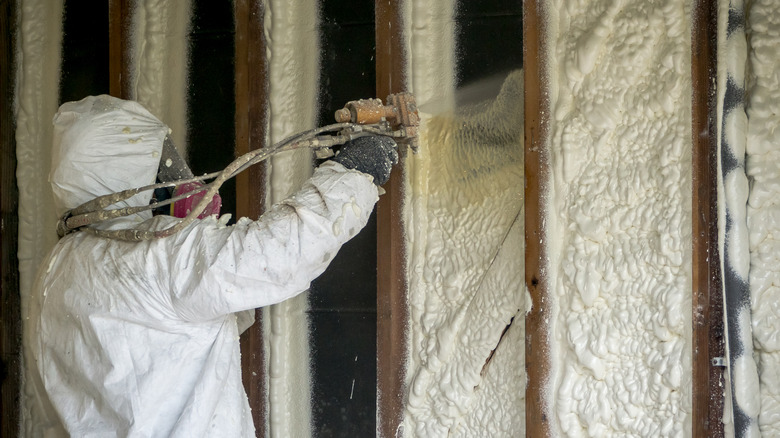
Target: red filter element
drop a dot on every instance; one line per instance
(183, 207)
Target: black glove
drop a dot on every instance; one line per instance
(374, 155)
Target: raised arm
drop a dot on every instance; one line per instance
(216, 271)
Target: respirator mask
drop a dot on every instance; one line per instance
(173, 168)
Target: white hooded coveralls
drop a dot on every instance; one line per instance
(140, 339)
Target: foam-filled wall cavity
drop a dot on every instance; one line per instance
(39, 39)
(466, 257)
(293, 66)
(619, 224)
(763, 209)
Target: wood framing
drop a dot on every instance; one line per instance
(251, 119)
(708, 325)
(119, 58)
(537, 347)
(10, 300)
(391, 302)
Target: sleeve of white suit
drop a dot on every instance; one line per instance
(221, 270)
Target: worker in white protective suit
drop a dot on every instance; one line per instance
(140, 338)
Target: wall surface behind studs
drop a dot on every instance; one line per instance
(10, 301)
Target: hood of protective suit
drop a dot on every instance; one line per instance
(104, 145)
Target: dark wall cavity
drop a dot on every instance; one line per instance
(489, 38)
(211, 93)
(11, 307)
(84, 69)
(343, 300)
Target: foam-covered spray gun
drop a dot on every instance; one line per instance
(400, 115)
(397, 118)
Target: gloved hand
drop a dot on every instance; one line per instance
(374, 155)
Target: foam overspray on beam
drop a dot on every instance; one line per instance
(37, 95)
(292, 36)
(160, 62)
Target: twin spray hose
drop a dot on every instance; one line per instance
(398, 120)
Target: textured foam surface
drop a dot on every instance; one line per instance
(763, 168)
(466, 262)
(620, 217)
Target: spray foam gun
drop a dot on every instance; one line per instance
(398, 119)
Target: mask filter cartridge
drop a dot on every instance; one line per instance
(183, 207)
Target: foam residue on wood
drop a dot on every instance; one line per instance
(37, 95)
(160, 67)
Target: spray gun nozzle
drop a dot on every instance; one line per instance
(400, 114)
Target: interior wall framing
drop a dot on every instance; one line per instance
(391, 275)
(537, 171)
(708, 335)
(119, 22)
(251, 84)
(708, 324)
